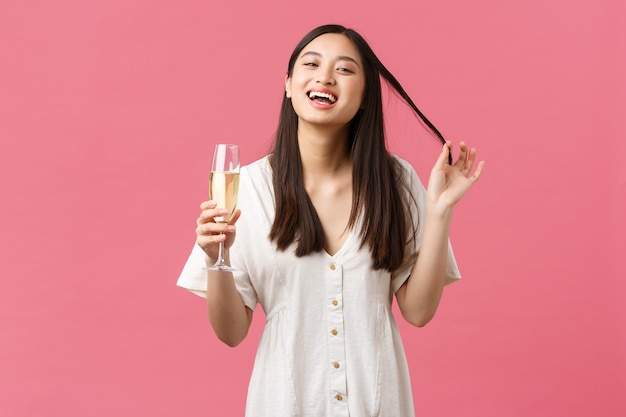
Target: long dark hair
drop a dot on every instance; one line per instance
(376, 177)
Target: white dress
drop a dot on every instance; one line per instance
(330, 346)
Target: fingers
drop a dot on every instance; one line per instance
(442, 159)
(469, 161)
(466, 161)
(478, 173)
(212, 228)
(208, 212)
(463, 155)
(209, 233)
(234, 217)
(208, 204)
(466, 158)
(206, 221)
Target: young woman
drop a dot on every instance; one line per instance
(330, 226)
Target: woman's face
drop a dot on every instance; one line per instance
(328, 81)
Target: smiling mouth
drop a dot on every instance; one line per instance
(322, 97)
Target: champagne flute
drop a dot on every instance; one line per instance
(223, 188)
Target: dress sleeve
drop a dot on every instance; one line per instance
(242, 278)
(417, 212)
(193, 277)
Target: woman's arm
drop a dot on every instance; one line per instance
(228, 314)
(419, 296)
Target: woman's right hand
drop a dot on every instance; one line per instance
(209, 233)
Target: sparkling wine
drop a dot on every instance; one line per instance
(223, 188)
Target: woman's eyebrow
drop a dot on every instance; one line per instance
(339, 58)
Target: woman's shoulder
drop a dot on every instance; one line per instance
(256, 178)
(260, 167)
(406, 168)
(401, 161)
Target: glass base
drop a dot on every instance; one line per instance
(217, 267)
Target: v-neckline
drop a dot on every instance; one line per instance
(343, 246)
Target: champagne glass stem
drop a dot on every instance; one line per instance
(220, 256)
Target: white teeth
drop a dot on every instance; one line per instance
(314, 94)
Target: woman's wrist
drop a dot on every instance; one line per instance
(438, 212)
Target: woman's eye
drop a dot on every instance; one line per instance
(310, 64)
(341, 69)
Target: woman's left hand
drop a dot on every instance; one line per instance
(449, 183)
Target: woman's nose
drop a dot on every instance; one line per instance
(325, 76)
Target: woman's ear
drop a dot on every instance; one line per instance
(287, 86)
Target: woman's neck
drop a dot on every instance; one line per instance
(324, 151)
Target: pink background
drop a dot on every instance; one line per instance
(108, 114)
